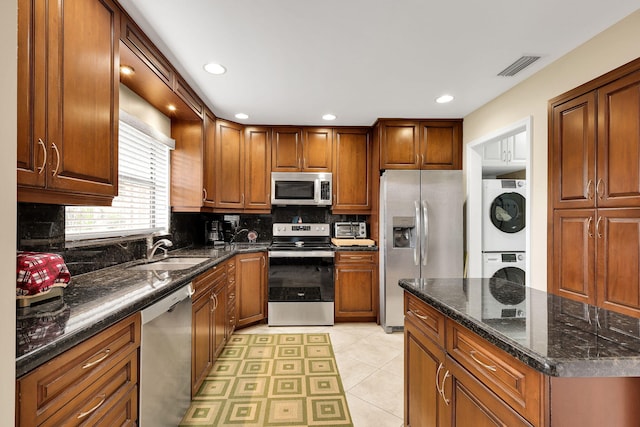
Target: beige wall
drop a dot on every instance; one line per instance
(613, 47)
(8, 120)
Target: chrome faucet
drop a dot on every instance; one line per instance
(151, 249)
(235, 235)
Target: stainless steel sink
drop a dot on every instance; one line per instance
(181, 263)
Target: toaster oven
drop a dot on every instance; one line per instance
(350, 230)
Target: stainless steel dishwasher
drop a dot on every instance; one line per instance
(165, 360)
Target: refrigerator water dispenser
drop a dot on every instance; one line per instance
(404, 232)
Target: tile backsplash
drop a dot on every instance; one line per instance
(41, 229)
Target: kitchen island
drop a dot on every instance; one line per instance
(494, 350)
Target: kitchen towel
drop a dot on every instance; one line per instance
(38, 272)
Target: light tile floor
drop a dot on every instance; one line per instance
(371, 366)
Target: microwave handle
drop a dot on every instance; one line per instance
(317, 190)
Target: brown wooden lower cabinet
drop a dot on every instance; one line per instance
(251, 285)
(356, 286)
(208, 322)
(94, 383)
(453, 377)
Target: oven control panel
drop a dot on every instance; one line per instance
(309, 229)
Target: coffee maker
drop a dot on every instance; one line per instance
(213, 233)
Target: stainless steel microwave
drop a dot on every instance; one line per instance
(301, 188)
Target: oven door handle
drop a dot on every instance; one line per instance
(301, 254)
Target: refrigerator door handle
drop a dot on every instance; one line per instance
(416, 261)
(425, 235)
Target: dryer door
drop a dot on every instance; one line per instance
(507, 212)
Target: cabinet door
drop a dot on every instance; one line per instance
(494, 153)
(251, 278)
(220, 316)
(229, 165)
(518, 153)
(399, 145)
(355, 292)
(619, 143)
(351, 166)
(208, 161)
(316, 149)
(286, 154)
(573, 255)
(82, 113)
(572, 172)
(257, 168)
(202, 333)
(32, 149)
(187, 187)
(469, 401)
(618, 251)
(441, 144)
(423, 404)
(68, 117)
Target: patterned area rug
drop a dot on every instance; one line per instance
(272, 380)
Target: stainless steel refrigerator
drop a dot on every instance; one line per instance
(421, 227)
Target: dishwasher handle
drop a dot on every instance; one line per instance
(167, 303)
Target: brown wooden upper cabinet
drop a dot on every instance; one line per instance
(209, 156)
(420, 144)
(257, 186)
(301, 149)
(67, 140)
(596, 147)
(230, 173)
(351, 171)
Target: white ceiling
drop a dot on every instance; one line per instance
(291, 61)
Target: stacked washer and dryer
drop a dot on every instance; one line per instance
(503, 229)
(503, 234)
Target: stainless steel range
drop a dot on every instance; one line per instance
(301, 290)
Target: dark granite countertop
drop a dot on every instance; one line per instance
(553, 335)
(94, 301)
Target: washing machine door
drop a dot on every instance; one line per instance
(497, 287)
(507, 212)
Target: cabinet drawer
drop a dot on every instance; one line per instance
(430, 321)
(203, 282)
(356, 257)
(100, 398)
(43, 392)
(517, 384)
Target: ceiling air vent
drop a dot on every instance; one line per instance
(519, 65)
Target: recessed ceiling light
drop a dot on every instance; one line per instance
(444, 99)
(171, 107)
(329, 117)
(242, 116)
(214, 68)
(127, 70)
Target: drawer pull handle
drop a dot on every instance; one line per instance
(419, 316)
(95, 362)
(356, 257)
(102, 397)
(492, 368)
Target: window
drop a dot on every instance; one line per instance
(142, 204)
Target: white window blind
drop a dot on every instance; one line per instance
(142, 204)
